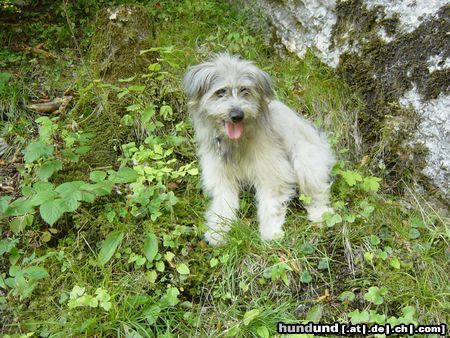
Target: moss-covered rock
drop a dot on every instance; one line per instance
(120, 34)
(397, 55)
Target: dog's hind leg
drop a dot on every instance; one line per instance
(272, 205)
(312, 164)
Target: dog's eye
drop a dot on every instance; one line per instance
(244, 91)
(220, 92)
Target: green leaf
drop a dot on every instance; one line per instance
(324, 264)
(150, 247)
(183, 269)
(371, 183)
(20, 223)
(375, 295)
(48, 169)
(52, 210)
(305, 277)
(109, 246)
(351, 177)
(213, 262)
(347, 296)
(315, 314)
(395, 263)
(359, 317)
(263, 332)
(375, 240)
(36, 150)
(332, 218)
(251, 315)
(171, 297)
(97, 175)
(414, 233)
(42, 197)
(35, 272)
(123, 175)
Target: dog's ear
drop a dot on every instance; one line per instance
(197, 80)
(264, 83)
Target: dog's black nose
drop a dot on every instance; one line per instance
(236, 115)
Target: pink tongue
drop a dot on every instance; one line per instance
(234, 130)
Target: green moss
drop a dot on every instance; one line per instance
(382, 72)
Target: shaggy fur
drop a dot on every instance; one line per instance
(245, 136)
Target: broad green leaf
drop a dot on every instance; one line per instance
(35, 272)
(150, 247)
(52, 210)
(97, 175)
(48, 169)
(183, 269)
(109, 246)
(20, 223)
(123, 175)
(213, 262)
(36, 150)
(249, 316)
(43, 196)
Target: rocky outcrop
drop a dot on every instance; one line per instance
(397, 53)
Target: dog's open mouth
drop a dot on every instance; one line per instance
(234, 129)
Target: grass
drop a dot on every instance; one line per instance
(381, 260)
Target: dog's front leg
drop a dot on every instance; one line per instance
(272, 204)
(223, 208)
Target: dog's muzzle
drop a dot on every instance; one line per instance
(235, 127)
(236, 115)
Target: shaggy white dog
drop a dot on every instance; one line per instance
(246, 137)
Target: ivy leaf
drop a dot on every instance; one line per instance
(52, 210)
(109, 246)
(150, 247)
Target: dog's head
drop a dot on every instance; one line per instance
(228, 91)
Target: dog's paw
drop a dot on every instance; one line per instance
(315, 213)
(271, 235)
(214, 238)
